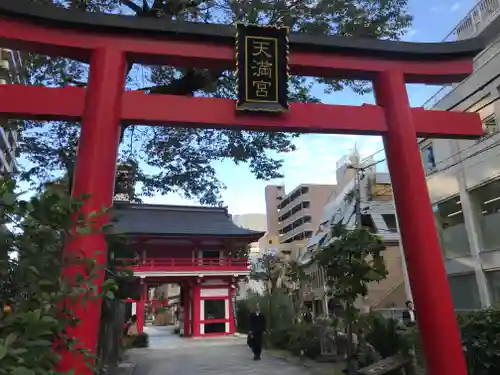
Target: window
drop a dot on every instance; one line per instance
(215, 309)
(367, 222)
(428, 156)
(464, 292)
(487, 209)
(450, 212)
(305, 204)
(390, 221)
(494, 284)
(490, 124)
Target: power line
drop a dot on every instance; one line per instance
(454, 154)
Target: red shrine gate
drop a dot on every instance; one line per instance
(195, 247)
(110, 43)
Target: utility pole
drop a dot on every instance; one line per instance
(358, 176)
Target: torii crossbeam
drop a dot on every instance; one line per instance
(110, 43)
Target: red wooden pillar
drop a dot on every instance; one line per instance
(196, 310)
(187, 310)
(141, 306)
(429, 284)
(232, 323)
(95, 175)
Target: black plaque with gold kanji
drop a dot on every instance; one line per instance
(262, 68)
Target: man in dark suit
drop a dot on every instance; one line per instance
(257, 329)
(409, 316)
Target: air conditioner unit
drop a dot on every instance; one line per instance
(4, 64)
(3, 81)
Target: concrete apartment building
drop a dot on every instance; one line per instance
(378, 214)
(292, 217)
(464, 176)
(10, 65)
(256, 222)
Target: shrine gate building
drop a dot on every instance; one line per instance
(199, 248)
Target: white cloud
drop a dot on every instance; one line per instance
(456, 6)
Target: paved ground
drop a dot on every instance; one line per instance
(171, 355)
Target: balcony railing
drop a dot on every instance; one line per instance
(471, 25)
(188, 264)
(475, 21)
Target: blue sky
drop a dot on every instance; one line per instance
(316, 155)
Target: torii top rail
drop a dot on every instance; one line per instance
(73, 34)
(110, 42)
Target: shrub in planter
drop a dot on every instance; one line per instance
(280, 337)
(382, 337)
(481, 340)
(304, 340)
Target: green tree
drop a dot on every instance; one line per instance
(181, 159)
(36, 302)
(352, 259)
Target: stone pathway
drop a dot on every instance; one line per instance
(171, 355)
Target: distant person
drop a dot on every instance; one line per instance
(132, 328)
(257, 329)
(409, 315)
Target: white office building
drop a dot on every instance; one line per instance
(10, 64)
(463, 176)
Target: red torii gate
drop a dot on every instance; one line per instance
(109, 43)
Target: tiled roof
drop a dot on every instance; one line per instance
(170, 220)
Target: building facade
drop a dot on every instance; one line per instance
(292, 217)
(463, 176)
(378, 214)
(256, 222)
(10, 66)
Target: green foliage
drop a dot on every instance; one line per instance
(179, 159)
(481, 340)
(40, 299)
(242, 315)
(300, 339)
(388, 336)
(277, 308)
(352, 259)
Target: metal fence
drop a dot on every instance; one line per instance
(110, 335)
(397, 313)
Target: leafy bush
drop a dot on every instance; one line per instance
(304, 339)
(280, 337)
(242, 314)
(481, 340)
(387, 336)
(37, 302)
(300, 339)
(277, 309)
